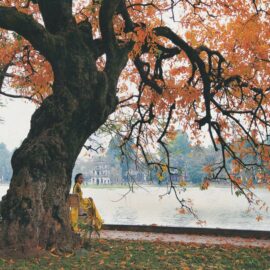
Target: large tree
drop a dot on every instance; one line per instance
(198, 63)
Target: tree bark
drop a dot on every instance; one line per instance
(34, 210)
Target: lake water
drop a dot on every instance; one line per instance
(217, 206)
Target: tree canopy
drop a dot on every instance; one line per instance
(157, 65)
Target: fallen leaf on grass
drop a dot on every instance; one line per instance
(69, 255)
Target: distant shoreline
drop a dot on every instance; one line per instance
(189, 185)
(135, 186)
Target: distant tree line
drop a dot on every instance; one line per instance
(189, 160)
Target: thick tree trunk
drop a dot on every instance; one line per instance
(34, 211)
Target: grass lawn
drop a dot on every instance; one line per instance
(116, 254)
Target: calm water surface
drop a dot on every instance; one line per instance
(217, 206)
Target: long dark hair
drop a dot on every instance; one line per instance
(77, 177)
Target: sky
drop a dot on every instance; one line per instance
(16, 115)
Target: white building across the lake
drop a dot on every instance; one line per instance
(103, 172)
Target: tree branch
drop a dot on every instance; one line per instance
(116, 55)
(107, 11)
(57, 15)
(122, 9)
(194, 59)
(31, 98)
(24, 25)
(2, 74)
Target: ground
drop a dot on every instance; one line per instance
(186, 238)
(156, 251)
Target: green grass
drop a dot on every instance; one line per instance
(112, 254)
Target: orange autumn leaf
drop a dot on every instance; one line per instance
(205, 184)
(182, 211)
(207, 169)
(182, 183)
(250, 183)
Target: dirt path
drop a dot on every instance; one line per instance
(184, 238)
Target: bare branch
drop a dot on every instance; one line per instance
(31, 98)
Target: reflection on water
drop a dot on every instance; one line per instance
(216, 205)
(170, 218)
(124, 215)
